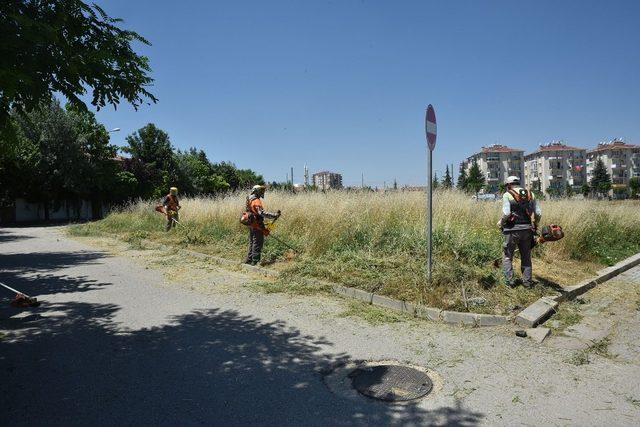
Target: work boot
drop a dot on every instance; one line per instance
(510, 284)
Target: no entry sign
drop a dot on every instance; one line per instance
(430, 127)
(431, 131)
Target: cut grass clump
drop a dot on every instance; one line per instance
(600, 347)
(372, 314)
(292, 287)
(568, 314)
(376, 241)
(579, 358)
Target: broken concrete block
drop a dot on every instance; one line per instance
(538, 334)
(537, 312)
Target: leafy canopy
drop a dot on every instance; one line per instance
(67, 46)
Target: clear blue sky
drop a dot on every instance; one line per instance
(343, 85)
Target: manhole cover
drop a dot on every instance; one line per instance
(391, 383)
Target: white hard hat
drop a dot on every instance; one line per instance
(258, 189)
(513, 180)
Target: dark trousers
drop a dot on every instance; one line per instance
(521, 240)
(256, 241)
(170, 220)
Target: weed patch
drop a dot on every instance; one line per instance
(372, 314)
(376, 241)
(282, 285)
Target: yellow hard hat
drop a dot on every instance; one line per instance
(173, 190)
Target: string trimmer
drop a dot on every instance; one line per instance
(161, 209)
(21, 300)
(269, 227)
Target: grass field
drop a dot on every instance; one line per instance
(376, 241)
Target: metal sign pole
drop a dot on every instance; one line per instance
(430, 217)
(431, 133)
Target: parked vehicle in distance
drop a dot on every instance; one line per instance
(485, 196)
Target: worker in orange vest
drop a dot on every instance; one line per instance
(171, 206)
(257, 229)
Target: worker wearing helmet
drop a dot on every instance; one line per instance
(171, 206)
(520, 217)
(257, 229)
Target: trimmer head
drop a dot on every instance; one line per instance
(24, 301)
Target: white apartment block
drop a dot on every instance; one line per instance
(497, 162)
(554, 167)
(326, 180)
(622, 161)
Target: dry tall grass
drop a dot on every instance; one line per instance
(376, 241)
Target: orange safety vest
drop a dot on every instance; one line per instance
(172, 202)
(252, 207)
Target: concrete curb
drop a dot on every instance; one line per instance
(538, 312)
(415, 310)
(570, 292)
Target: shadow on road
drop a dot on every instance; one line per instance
(45, 261)
(70, 364)
(12, 237)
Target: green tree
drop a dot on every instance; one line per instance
(435, 183)
(67, 47)
(568, 191)
(585, 190)
(196, 174)
(601, 181)
(62, 155)
(229, 172)
(462, 177)
(248, 178)
(152, 161)
(475, 181)
(634, 186)
(447, 182)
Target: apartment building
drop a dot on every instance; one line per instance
(497, 162)
(622, 161)
(554, 167)
(326, 180)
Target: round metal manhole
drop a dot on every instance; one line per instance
(391, 383)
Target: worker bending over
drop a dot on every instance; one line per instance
(518, 207)
(171, 206)
(257, 229)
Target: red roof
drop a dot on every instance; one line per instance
(554, 147)
(498, 148)
(612, 146)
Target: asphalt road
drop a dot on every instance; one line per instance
(127, 336)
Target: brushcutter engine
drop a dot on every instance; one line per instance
(550, 233)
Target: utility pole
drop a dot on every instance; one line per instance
(292, 176)
(306, 176)
(362, 180)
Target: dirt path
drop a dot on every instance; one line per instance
(128, 335)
